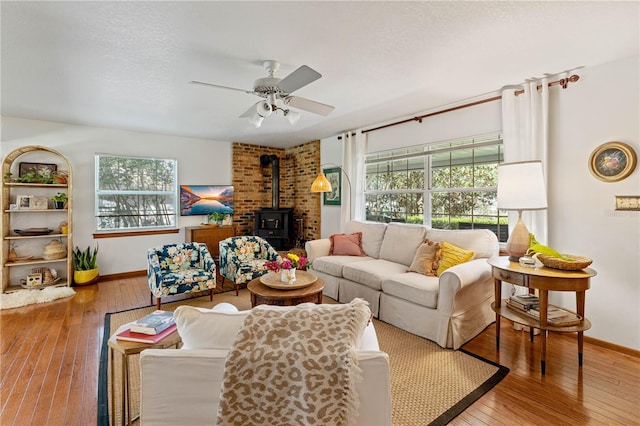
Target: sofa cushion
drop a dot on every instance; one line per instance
(371, 272)
(452, 256)
(426, 259)
(333, 265)
(208, 328)
(401, 241)
(346, 244)
(372, 235)
(414, 287)
(482, 242)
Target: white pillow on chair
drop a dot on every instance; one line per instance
(208, 328)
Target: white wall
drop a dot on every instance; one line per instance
(330, 153)
(199, 162)
(473, 121)
(602, 106)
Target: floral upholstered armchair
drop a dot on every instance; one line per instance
(243, 259)
(180, 268)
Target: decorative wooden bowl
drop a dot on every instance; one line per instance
(576, 263)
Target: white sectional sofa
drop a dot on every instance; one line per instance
(450, 309)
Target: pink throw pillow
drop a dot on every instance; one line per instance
(346, 245)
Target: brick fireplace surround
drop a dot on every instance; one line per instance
(299, 166)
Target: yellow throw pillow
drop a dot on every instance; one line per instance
(426, 259)
(452, 256)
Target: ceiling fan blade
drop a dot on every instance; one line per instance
(299, 78)
(251, 92)
(308, 105)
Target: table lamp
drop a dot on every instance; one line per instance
(520, 187)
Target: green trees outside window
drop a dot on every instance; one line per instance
(133, 192)
(447, 186)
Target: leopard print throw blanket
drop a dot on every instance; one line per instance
(295, 366)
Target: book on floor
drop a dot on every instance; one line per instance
(131, 336)
(153, 323)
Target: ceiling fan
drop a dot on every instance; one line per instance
(273, 89)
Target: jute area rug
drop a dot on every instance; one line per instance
(429, 385)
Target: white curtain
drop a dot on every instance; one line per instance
(354, 149)
(525, 123)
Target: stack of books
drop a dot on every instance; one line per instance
(149, 329)
(529, 305)
(523, 302)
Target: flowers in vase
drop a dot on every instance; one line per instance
(291, 261)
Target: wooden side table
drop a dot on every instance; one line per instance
(544, 280)
(263, 295)
(126, 349)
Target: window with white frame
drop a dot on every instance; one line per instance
(446, 185)
(135, 193)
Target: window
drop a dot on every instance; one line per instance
(135, 193)
(446, 185)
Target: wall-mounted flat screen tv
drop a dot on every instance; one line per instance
(205, 199)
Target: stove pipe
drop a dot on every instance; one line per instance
(275, 178)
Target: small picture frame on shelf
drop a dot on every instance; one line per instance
(13, 206)
(39, 203)
(24, 201)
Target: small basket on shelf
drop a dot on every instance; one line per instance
(570, 263)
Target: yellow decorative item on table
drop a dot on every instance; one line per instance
(551, 258)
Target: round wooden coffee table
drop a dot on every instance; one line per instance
(263, 295)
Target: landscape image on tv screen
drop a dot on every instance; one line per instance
(205, 199)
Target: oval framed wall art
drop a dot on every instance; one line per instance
(612, 161)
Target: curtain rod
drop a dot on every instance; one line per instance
(563, 82)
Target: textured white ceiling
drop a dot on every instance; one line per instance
(126, 64)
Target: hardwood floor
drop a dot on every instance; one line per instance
(50, 355)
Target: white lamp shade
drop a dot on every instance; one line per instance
(292, 116)
(256, 119)
(521, 186)
(264, 109)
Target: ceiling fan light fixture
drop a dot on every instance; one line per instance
(263, 109)
(292, 116)
(256, 119)
(257, 113)
(273, 89)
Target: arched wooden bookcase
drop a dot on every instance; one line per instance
(30, 244)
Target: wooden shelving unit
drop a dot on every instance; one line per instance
(14, 271)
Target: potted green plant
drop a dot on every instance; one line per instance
(59, 200)
(85, 266)
(216, 218)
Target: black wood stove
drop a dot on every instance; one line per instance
(274, 224)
